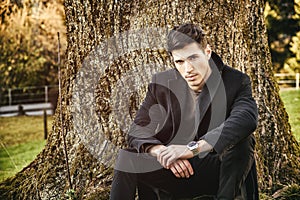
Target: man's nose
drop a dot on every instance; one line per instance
(188, 67)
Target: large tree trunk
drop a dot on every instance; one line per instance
(113, 48)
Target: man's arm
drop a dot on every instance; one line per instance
(150, 118)
(241, 123)
(166, 155)
(175, 157)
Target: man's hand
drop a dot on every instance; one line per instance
(172, 153)
(182, 168)
(166, 155)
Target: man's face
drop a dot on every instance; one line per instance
(192, 63)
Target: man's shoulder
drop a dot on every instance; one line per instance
(233, 77)
(233, 73)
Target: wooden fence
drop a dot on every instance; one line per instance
(28, 100)
(27, 95)
(288, 80)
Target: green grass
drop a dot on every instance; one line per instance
(21, 139)
(17, 130)
(291, 99)
(13, 159)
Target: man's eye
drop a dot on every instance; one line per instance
(179, 62)
(193, 58)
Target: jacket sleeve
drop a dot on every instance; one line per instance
(240, 123)
(147, 122)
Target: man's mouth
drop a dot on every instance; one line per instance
(191, 77)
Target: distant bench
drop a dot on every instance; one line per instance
(26, 109)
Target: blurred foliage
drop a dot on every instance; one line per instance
(28, 42)
(28, 39)
(293, 63)
(283, 22)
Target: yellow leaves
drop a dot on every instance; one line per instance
(28, 42)
(297, 8)
(295, 45)
(269, 12)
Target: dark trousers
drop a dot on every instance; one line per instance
(222, 176)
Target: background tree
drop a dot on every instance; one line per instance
(294, 61)
(28, 41)
(283, 22)
(109, 41)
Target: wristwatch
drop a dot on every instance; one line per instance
(193, 146)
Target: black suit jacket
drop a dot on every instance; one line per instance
(226, 112)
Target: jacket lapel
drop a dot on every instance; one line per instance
(179, 87)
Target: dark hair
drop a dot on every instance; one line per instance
(185, 34)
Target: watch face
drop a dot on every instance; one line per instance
(192, 144)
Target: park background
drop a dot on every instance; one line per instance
(28, 46)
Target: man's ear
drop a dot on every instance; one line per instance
(208, 51)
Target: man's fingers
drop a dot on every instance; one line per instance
(182, 168)
(170, 160)
(166, 158)
(174, 170)
(179, 171)
(170, 154)
(188, 166)
(163, 158)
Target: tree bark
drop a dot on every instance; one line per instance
(113, 48)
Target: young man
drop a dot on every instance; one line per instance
(192, 135)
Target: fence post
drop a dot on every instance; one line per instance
(46, 93)
(297, 80)
(21, 111)
(45, 125)
(9, 97)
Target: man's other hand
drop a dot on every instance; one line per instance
(182, 168)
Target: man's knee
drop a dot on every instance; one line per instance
(133, 162)
(244, 150)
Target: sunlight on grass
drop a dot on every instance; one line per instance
(21, 140)
(17, 130)
(291, 99)
(13, 159)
